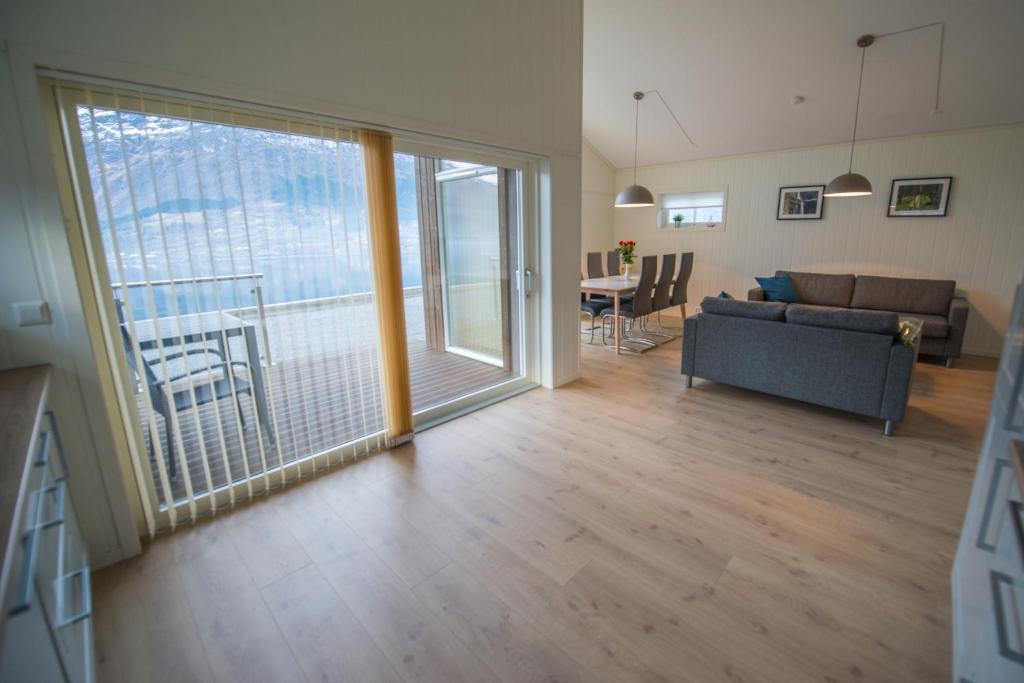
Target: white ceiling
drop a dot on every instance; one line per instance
(729, 69)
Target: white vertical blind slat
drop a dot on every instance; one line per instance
(194, 213)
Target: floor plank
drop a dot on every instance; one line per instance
(622, 528)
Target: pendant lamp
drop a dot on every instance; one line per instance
(635, 195)
(852, 184)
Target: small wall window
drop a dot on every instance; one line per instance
(692, 210)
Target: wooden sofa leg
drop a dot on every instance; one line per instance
(689, 381)
(889, 427)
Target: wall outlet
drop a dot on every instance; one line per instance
(29, 313)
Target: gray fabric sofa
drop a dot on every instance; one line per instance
(831, 356)
(933, 301)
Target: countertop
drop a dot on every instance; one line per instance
(22, 403)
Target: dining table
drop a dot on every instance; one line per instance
(613, 286)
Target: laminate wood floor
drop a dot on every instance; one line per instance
(622, 528)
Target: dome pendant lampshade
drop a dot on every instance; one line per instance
(848, 185)
(635, 195)
(852, 184)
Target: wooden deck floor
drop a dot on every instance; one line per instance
(623, 528)
(323, 391)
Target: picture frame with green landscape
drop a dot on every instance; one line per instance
(919, 197)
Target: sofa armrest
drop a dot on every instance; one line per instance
(689, 345)
(958, 310)
(755, 294)
(898, 379)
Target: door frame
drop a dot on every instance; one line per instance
(529, 257)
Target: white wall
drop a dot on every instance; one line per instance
(496, 73)
(597, 230)
(980, 243)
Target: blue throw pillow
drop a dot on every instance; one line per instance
(724, 295)
(778, 288)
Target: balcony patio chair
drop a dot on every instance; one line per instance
(202, 379)
(640, 306)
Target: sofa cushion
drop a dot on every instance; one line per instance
(875, 322)
(931, 325)
(903, 294)
(823, 289)
(778, 288)
(758, 310)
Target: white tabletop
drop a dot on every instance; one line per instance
(615, 283)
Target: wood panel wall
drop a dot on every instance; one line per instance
(980, 243)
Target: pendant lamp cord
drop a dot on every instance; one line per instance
(856, 109)
(636, 139)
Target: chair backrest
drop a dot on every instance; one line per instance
(645, 288)
(613, 263)
(663, 292)
(594, 264)
(683, 279)
(144, 373)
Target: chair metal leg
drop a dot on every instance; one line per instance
(172, 467)
(241, 415)
(689, 381)
(949, 361)
(644, 328)
(624, 328)
(591, 316)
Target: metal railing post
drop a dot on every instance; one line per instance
(261, 313)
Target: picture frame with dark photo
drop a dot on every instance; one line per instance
(801, 203)
(919, 197)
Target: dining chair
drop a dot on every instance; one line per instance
(592, 308)
(682, 280)
(594, 270)
(678, 297)
(662, 294)
(613, 262)
(640, 306)
(613, 270)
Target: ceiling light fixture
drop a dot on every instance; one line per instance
(852, 184)
(635, 195)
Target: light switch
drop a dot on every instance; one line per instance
(32, 313)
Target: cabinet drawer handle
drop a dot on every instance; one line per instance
(60, 491)
(999, 579)
(30, 549)
(999, 469)
(60, 446)
(1018, 526)
(81, 575)
(44, 449)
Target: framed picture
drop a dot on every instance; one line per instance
(800, 203)
(919, 196)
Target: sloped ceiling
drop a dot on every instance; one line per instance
(730, 68)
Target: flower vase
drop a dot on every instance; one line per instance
(625, 270)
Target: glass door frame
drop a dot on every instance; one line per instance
(82, 217)
(101, 320)
(529, 296)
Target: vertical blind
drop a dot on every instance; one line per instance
(237, 251)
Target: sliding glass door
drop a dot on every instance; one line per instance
(230, 256)
(463, 256)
